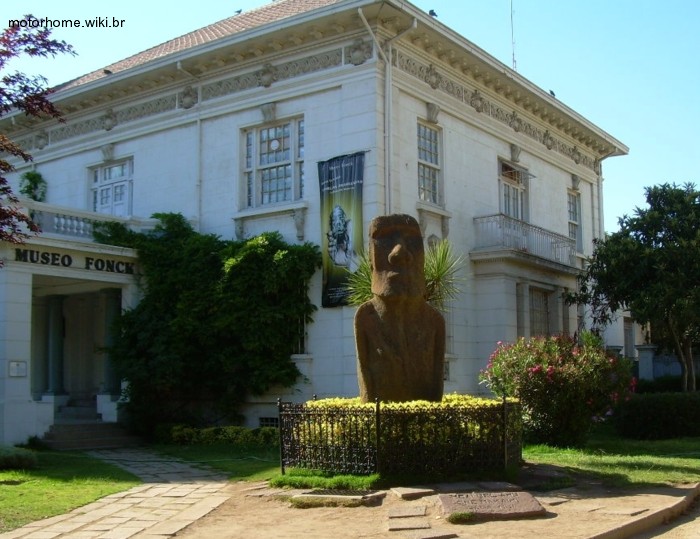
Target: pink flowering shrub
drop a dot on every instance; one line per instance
(563, 386)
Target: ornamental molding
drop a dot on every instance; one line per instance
(358, 53)
(188, 98)
(191, 96)
(111, 118)
(76, 129)
(473, 99)
(271, 74)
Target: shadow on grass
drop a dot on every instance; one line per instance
(72, 466)
(249, 464)
(616, 462)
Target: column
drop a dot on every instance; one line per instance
(18, 414)
(556, 311)
(112, 308)
(55, 345)
(523, 302)
(646, 354)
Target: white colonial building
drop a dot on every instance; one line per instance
(228, 126)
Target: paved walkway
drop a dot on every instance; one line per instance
(174, 495)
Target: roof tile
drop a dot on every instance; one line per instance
(269, 13)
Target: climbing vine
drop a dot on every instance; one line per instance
(218, 321)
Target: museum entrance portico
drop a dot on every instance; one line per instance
(69, 334)
(59, 301)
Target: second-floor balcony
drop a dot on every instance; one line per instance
(60, 222)
(503, 233)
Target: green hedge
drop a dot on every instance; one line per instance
(14, 458)
(459, 435)
(263, 437)
(659, 416)
(662, 384)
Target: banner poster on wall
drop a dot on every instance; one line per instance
(340, 180)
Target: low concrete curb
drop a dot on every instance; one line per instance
(653, 519)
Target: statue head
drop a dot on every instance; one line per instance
(397, 256)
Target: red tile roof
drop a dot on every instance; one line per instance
(274, 11)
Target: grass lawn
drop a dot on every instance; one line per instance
(61, 482)
(238, 464)
(626, 463)
(65, 480)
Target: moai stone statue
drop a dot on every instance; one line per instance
(400, 338)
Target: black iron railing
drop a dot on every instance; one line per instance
(405, 439)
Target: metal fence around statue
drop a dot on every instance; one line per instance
(400, 439)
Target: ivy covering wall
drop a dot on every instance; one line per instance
(218, 321)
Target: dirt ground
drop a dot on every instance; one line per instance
(265, 517)
(247, 515)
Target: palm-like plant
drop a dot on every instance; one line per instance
(441, 274)
(441, 279)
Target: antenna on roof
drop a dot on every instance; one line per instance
(512, 34)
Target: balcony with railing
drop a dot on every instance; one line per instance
(61, 222)
(518, 238)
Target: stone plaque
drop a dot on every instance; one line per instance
(492, 505)
(17, 369)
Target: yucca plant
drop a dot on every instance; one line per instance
(441, 276)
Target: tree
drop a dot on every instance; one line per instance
(29, 94)
(219, 320)
(651, 267)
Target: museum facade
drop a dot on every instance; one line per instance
(308, 117)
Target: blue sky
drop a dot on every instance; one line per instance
(632, 67)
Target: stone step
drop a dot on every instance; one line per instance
(78, 412)
(94, 435)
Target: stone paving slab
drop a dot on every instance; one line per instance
(492, 505)
(430, 534)
(367, 498)
(408, 524)
(412, 493)
(408, 511)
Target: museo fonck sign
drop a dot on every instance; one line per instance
(64, 260)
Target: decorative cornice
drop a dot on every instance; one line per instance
(270, 74)
(473, 98)
(113, 117)
(186, 98)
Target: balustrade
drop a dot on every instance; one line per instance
(503, 232)
(74, 224)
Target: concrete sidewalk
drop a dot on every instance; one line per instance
(176, 494)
